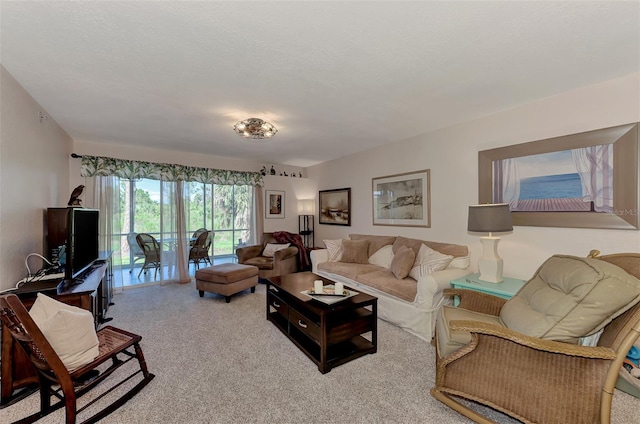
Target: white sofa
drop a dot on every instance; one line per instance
(408, 303)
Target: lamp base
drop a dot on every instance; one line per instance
(490, 264)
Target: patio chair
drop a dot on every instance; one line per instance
(151, 249)
(116, 348)
(136, 252)
(200, 249)
(538, 379)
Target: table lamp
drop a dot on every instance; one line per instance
(490, 218)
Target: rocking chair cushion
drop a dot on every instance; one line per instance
(570, 297)
(70, 331)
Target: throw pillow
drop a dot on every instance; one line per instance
(69, 330)
(570, 297)
(402, 262)
(334, 249)
(271, 248)
(355, 251)
(428, 261)
(382, 257)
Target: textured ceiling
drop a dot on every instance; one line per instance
(334, 77)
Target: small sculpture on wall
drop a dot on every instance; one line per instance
(75, 200)
(272, 171)
(263, 170)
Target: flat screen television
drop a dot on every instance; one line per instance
(82, 241)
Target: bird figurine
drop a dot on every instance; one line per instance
(75, 200)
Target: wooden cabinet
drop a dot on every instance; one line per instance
(56, 231)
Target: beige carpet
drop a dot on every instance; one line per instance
(225, 363)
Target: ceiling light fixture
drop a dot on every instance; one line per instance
(255, 128)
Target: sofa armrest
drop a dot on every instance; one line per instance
(283, 254)
(317, 257)
(431, 286)
(247, 252)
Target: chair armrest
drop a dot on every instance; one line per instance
(283, 254)
(551, 346)
(477, 301)
(247, 252)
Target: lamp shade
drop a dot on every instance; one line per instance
(490, 218)
(305, 206)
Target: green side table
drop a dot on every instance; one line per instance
(506, 289)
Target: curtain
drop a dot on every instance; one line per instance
(106, 198)
(131, 169)
(257, 224)
(506, 183)
(595, 168)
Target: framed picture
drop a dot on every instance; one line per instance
(584, 180)
(402, 199)
(274, 204)
(334, 206)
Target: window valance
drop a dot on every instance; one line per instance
(131, 169)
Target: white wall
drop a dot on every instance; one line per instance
(452, 155)
(34, 175)
(295, 189)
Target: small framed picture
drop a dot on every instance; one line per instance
(335, 206)
(274, 204)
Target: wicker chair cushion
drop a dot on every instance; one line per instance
(69, 330)
(570, 297)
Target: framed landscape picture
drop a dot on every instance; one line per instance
(334, 206)
(274, 204)
(402, 199)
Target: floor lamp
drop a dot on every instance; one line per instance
(490, 218)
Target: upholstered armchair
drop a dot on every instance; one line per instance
(268, 259)
(484, 355)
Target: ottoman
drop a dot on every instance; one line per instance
(226, 279)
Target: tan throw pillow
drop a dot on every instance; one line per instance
(355, 251)
(402, 262)
(428, 261)
(271, 248)
(334, 249)
(69, 330)
(382, 257)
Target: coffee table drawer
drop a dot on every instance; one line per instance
(278, 304)
(304, 324)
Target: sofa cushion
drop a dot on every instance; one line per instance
(570, 297)
(69, 330)
(262, 262)
(334, 249)
(271, 248)
(384, 281)
(402, 262)
(349, 270)
(355, 251)
(383, 257)
(375, 242)
(429, 261)
(455, 250)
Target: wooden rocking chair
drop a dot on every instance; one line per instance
(116, 345)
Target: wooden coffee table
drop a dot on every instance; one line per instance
(330, 335)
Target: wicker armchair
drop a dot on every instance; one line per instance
(531, 379)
